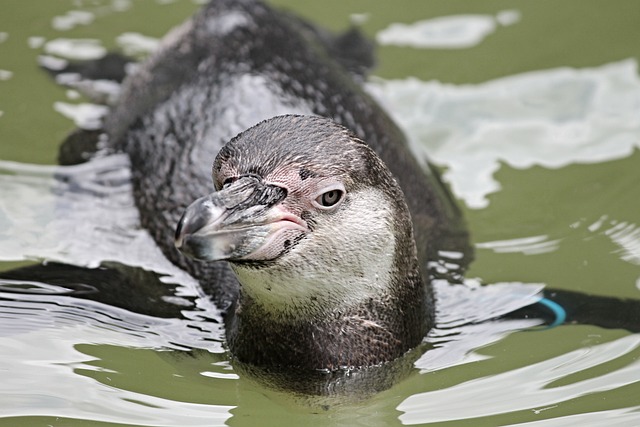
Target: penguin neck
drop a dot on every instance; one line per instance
(373, 331)
(283, 293)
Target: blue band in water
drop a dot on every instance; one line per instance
(557, 310)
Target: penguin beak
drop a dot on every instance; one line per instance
(243, 221)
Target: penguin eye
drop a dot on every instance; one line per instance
(330, 198)
(228, 181)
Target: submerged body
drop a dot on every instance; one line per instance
(231, 66)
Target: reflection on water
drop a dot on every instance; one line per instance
(627, 236)
(543, 385)
(80, 49)
(551, 118)
(48, 370)
(447, 32)
(525, 245)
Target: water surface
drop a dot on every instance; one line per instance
(532, 109)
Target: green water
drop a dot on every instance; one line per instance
(562, 204)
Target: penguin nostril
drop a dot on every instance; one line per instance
(178, 237)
